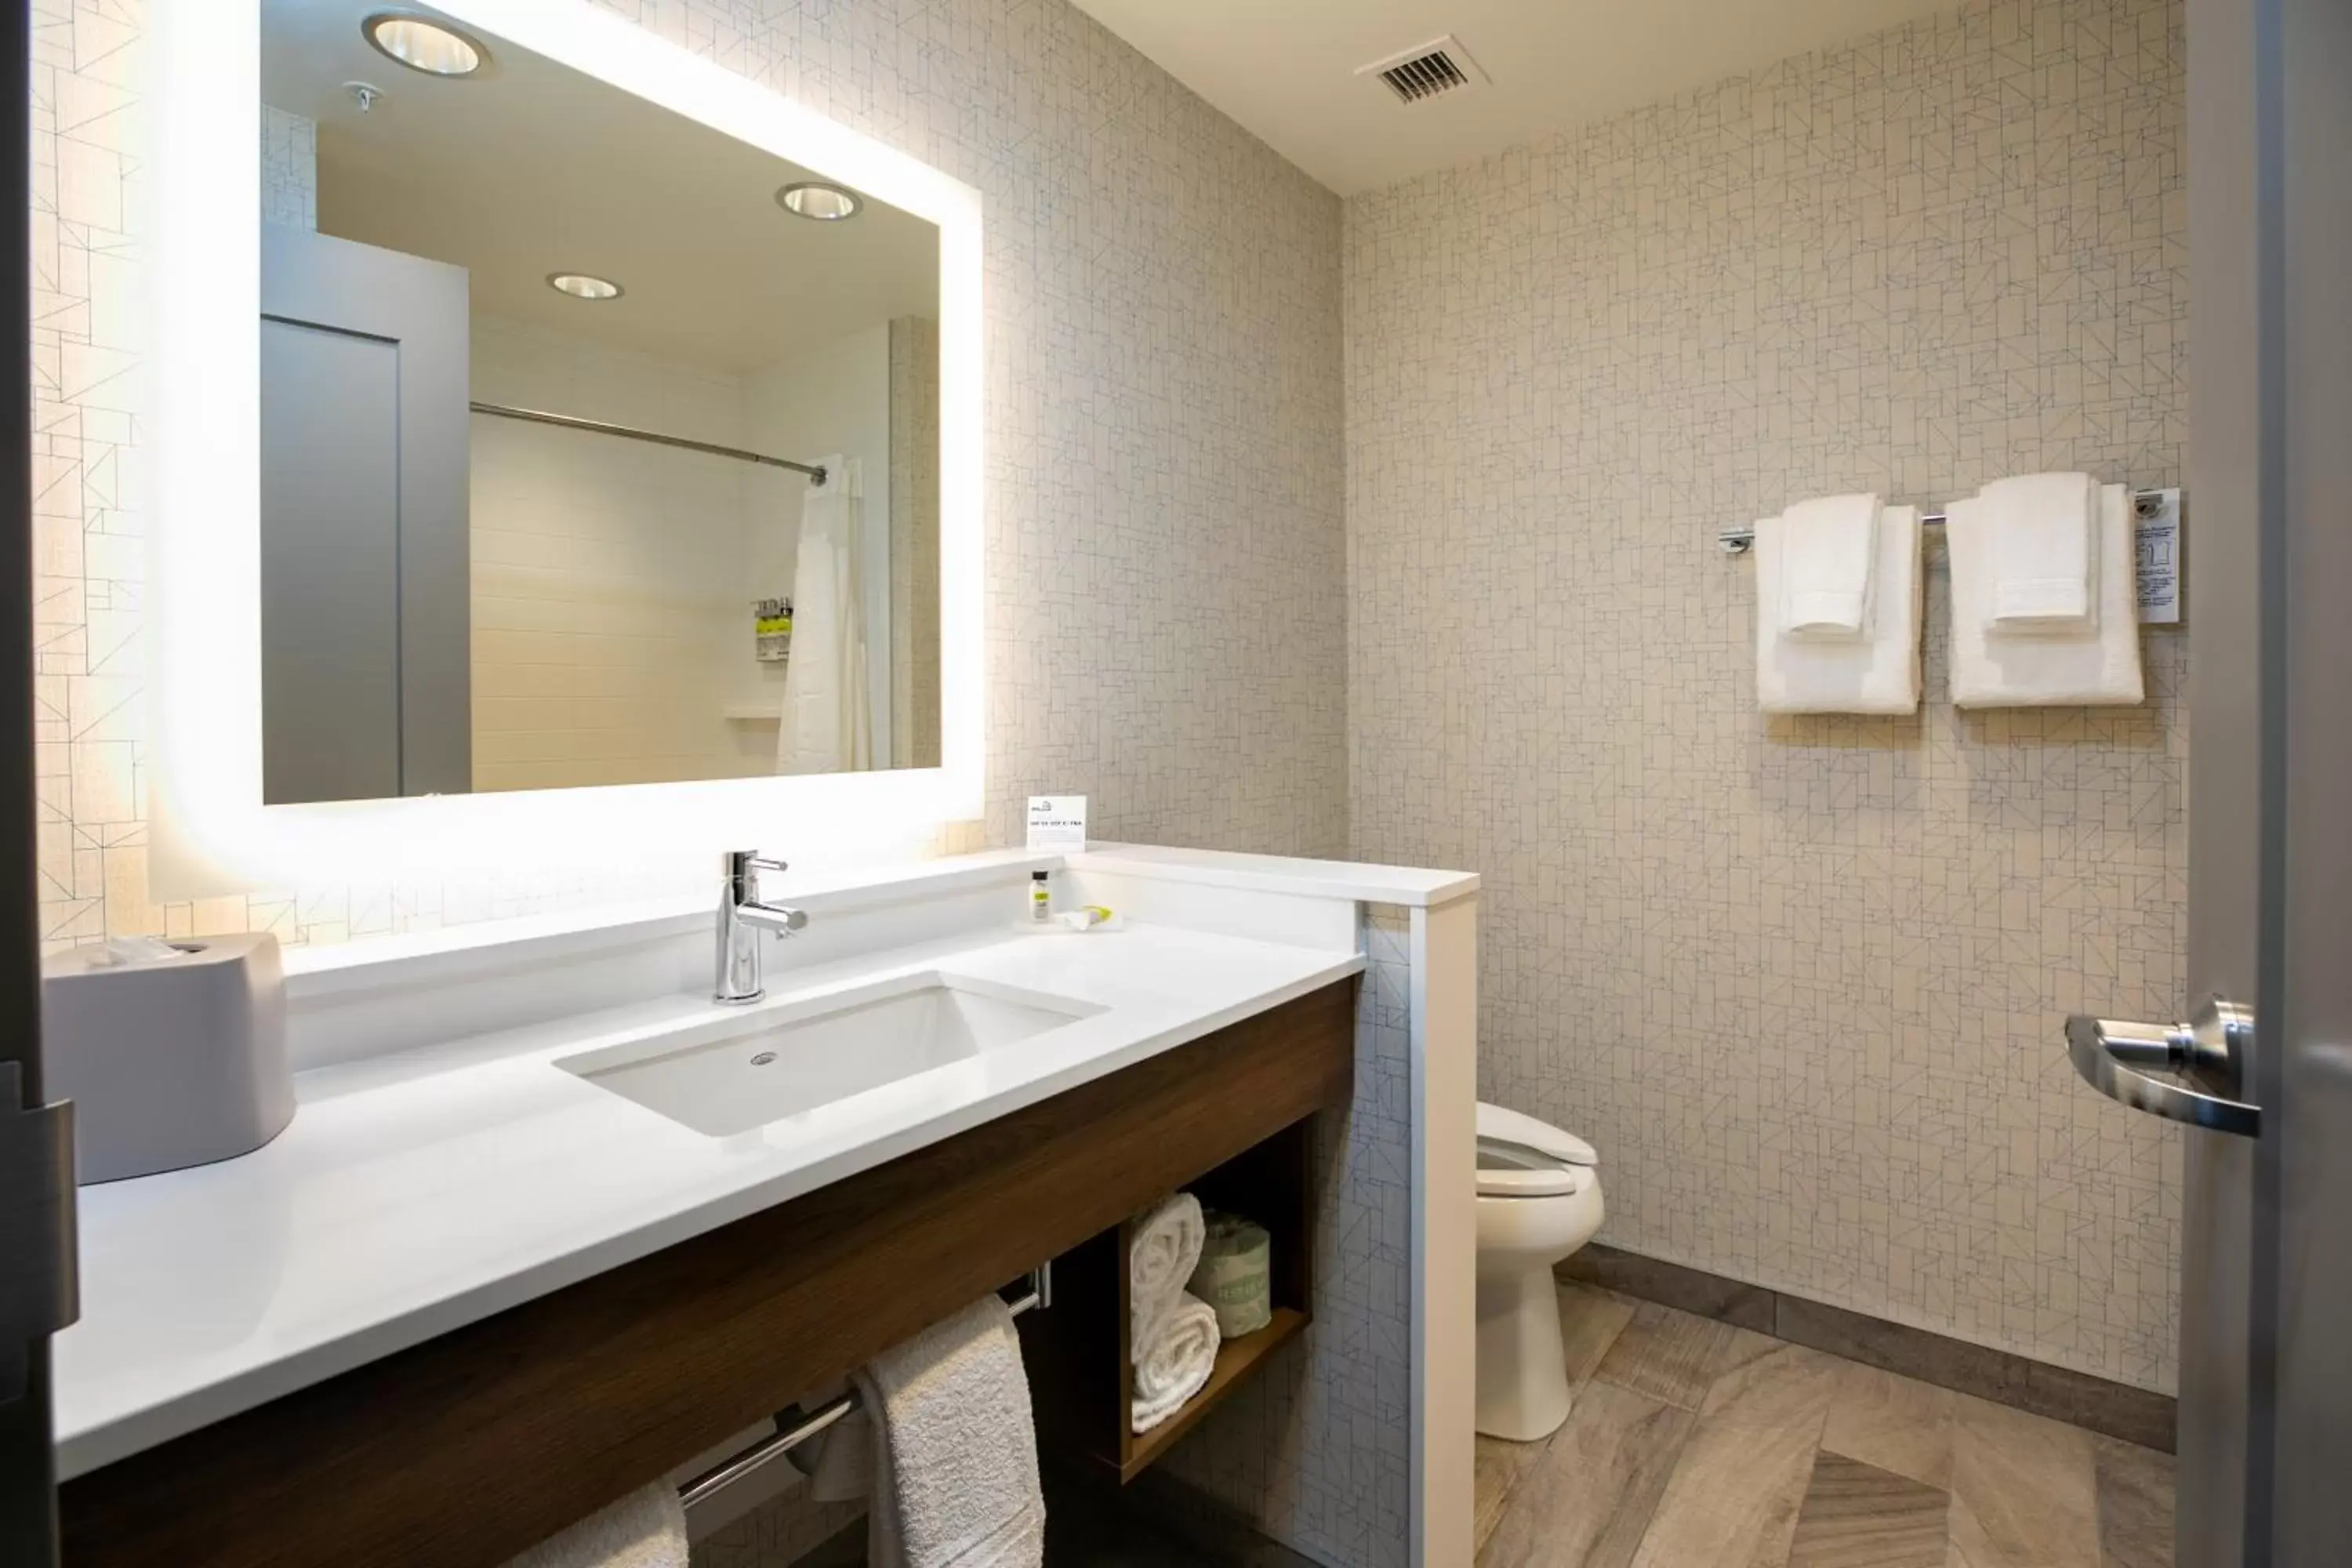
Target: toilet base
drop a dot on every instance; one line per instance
(1522, 1364)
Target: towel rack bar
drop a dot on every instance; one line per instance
(1737, 539)
(796, 1427)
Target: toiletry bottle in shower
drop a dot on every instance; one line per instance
(1041, 898)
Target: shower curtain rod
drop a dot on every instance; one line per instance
(816, 471)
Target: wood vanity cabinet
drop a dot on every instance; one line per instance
(469, 1447)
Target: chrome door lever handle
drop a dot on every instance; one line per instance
(2110, 1053)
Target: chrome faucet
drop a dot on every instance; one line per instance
(741, 918)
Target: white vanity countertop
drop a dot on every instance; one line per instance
(423, 1190)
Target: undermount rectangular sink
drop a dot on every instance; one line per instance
(735, 1073)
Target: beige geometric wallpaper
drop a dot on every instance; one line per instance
(1165, 611)
(1799, 980)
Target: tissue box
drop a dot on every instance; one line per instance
(169, 1062)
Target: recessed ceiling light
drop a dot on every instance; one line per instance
(423, 44)
(584, 285)
(826, 204)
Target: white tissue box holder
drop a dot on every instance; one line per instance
(169, 1064)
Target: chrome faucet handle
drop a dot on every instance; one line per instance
(741, 865)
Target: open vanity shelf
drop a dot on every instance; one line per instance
(466, 1450)
(1079, 1364)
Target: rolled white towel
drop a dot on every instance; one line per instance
(1161, 1256)
(1176, 1362)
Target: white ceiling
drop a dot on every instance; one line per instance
(1286, 70)
(531, 168)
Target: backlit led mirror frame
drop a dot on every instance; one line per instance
(211, 832)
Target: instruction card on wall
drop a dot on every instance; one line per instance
(2159, 558)
(1057, 822)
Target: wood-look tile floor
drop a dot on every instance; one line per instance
(1694, 1444)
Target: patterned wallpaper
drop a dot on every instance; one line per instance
(1799, 979)
(1165, 608)
(1316, 1450)
(290, 169)
(915, 541)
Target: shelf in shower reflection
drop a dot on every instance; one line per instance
(752, 712)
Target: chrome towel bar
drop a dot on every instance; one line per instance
(795, 1426)
(1737, 539)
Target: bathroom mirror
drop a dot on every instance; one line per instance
(569, 114)
(597, 446)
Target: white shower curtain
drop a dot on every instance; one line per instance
(826, 726)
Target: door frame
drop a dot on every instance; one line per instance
(28, 1493)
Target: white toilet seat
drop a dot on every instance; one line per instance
(1500, 1124)
(1520, 1157)
(1507, 1171)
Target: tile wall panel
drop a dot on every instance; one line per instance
(1799, 979)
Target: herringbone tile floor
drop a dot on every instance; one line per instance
(1694, 1444)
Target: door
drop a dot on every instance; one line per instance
(365, 598)
(37, 1191)
(2266, 1370)
(330, 564)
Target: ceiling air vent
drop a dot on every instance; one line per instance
(1438, 66)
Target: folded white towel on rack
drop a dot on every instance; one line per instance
(646, 1529)
(2043, 532)
(1175, 1365)
(955, 1448)
(1161, 1254)
(2094, 666)
(1875, 674)
(1829, 563)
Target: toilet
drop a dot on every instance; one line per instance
(1539, 1200)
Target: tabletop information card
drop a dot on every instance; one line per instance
(1057, 822)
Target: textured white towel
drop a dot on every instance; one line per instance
(646, 1529)
(1994, 669)
(1879, 674)
(1829, 561)
(1176, 1363)
(842, 1467)
(1161, 1256)
(2044, 530)
(955, 1448)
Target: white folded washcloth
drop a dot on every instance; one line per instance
(1879, 673)
(2044, 534)
(646, 1529)
(1161, 1256)
(1176, 1363)
(1828, 564)
(2097, 665)
(955, 1448)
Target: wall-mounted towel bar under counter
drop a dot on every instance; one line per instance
(796, 1427)
(1740, 537)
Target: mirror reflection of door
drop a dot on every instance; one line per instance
(364, 612)
(661, 332)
